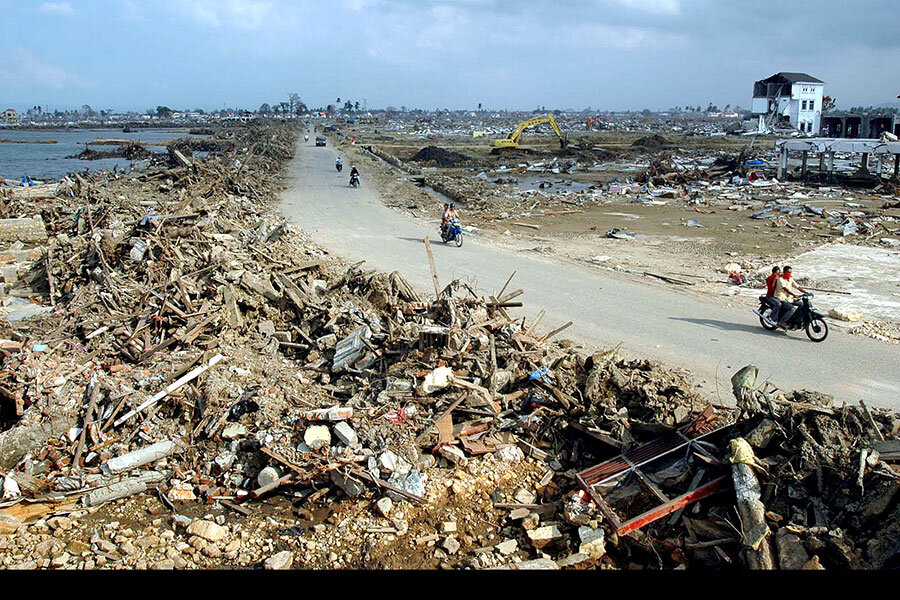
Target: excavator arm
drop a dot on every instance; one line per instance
(513, 138)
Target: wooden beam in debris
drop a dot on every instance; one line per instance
(437, 286)
(668, 279)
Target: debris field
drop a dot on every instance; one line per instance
(195, 383)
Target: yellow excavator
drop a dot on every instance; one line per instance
(512, 139)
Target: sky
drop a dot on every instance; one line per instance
(505, 54)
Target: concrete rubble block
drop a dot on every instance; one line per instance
(531, 521)
(448, 527)
(27, 231)
(451, 544)
(351, 486)
(593, 542)
(267, 328)
(317, 437)
(390, 462)
(268, 476)
(507, 547)
(544, 536)
(572, 560)
(523, 496)
(208, 530)
(345, 433)
(384, 506)
(260, 285)
(280, 562)
(538, 564)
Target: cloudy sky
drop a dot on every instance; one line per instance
(607, 54)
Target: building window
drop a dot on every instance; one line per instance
(803, 105)
(812, 105)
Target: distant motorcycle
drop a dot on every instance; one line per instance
(453, 232)
(805, 317)
(354, 181)
(339, 167)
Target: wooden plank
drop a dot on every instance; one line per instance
(505, 285)
(557, 330)
(437, 286)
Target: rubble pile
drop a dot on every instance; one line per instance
(440, 157)
(129, 151)
(202, 358)
(653, 142)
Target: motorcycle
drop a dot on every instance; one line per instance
(305, 138)
(339, 167)
(354, 181)
(805, 317)
(453, 232)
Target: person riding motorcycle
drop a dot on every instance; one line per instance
(354, 172)
(448, 215)
(339, 164)
(306, 138)
(770, 302)
(785, 291)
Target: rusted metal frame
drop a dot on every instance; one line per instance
(646, 481)
(606, 509)
(684, 444)
(670, 507)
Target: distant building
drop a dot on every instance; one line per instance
(844, 124)
(9, 116)
(793, 99)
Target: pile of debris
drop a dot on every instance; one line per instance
(440, 157)
(201, 349)
(653, 142)
(128, 151)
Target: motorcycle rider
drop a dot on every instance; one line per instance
(339, 163)
(449, 214)
(785, 291)
(354, 172)
(306, 138)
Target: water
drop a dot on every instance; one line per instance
(49, 162)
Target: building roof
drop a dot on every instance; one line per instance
(791, 78)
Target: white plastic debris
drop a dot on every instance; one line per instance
(11, 489)
(140, 457)
(437, 380)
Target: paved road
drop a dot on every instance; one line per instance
(680, 329)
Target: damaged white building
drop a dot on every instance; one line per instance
(789, 99)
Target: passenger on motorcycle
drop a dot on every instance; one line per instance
(770, 301)
(785, 291)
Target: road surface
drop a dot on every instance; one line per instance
(679, 329)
